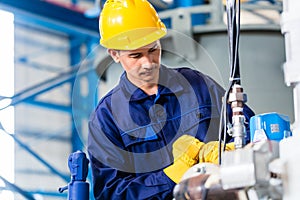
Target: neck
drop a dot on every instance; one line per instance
(150, 89)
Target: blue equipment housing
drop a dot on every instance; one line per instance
(271, 126)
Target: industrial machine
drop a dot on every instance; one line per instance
(267, 168)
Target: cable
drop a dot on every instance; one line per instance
(233, 29)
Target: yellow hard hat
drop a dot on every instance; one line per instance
(129, 24)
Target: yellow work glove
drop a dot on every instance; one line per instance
(210, 152)
(186, 153)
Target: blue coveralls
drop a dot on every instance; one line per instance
(131, 133)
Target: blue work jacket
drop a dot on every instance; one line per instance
(131, 133)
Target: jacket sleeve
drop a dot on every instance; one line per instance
(109, 183)
(113, 172)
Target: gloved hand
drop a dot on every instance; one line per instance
(186, 153)
(210, 152)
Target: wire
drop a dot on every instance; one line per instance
(233, 29)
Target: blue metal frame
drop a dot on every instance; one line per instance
(38, 157)
(69, 20)
(13, 187)
(31, 92)
(75, 58)
(82, 105)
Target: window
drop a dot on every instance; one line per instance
(6, 89)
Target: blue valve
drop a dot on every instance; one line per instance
(78, 187)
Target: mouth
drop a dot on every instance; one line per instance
(147, 73)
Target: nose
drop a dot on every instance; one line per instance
(147, 61)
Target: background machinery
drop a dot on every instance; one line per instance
(268, 167)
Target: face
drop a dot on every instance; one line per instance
(141, 65)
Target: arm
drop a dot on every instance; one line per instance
(113, 168)
(109, 183)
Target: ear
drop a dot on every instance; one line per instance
(114, 54)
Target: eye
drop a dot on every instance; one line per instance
(135, 55)
(153, 50)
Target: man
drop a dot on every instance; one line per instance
(148, 130)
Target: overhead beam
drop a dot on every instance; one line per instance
(56, 17)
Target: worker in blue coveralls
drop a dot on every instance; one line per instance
(153, 125)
